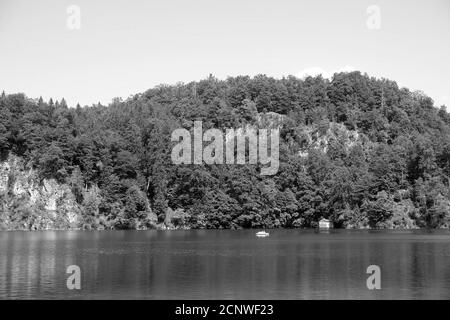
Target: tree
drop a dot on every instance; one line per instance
(378, 210)
(52, 163)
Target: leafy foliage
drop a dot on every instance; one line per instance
(358, 150)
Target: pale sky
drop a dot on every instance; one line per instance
(128, 46)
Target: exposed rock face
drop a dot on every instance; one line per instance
(270, 120)
(4, 174)
(43, 204)
(320, 138)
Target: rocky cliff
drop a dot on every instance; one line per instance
(29, 203)
(320, 138)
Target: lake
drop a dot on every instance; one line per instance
(225, 264)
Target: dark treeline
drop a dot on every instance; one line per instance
(394, 175)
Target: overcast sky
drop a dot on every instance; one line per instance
(127, 46)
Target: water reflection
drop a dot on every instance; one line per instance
(290, 264)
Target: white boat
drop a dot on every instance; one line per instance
(262, 234)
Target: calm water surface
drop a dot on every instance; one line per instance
(204, 264)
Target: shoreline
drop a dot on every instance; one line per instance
(243, 229)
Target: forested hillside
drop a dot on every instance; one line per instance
(358, 150)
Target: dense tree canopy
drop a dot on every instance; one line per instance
(358, 150)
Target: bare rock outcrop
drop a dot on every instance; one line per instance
(27, 202)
